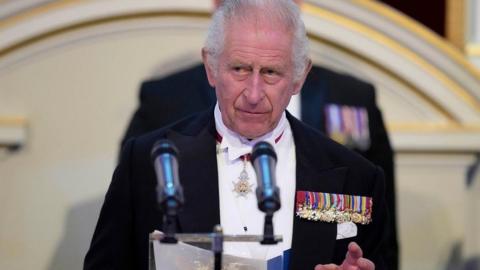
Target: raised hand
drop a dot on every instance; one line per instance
(353, 261)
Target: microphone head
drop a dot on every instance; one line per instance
(163, 146)
(263, 148)
(264, 161)
(169, 190)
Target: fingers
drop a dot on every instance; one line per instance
(354, 251)
(354, 259)
(365, 264)
(327, 267)
(361, 264)
(353, 254)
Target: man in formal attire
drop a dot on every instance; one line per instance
(333, 207)
(339, 105)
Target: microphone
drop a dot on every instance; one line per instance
(169, 191)
(264, 161)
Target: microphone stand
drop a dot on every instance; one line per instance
(169, 191)
(217, 246)
(268, 195)
(268, 236)
(170, 221)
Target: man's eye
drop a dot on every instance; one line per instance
(271, 76)
(239, 69)
(270, 72)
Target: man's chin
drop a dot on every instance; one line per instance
(253, 132)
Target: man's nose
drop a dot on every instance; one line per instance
(255, 91)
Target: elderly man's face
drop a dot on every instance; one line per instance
(254, 80)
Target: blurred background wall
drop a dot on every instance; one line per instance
(69, 78)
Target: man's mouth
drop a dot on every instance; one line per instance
(249, 112)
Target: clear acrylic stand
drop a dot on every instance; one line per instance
(182, 256)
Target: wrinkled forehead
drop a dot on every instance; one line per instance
(259, 43)
(217, 3)
(258, 30)
(260, 20)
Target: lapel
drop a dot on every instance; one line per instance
(313, 242)
(198, 164)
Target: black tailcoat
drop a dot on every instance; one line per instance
(130, 213)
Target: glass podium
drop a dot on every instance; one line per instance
(183, 256)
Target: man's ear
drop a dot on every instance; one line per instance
(208, 67)
(297, 86)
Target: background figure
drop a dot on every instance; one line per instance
(333, 103)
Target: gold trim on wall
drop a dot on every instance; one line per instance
(375, 6)
(473, 49)
(12, 121)
(422, 32)
(380, 38)
(455, 23)
(408, 85)
(112, 19)
(96, 22)
(346, 22)
(37, 10)
(432, 127)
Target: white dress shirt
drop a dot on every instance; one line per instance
(238, 213)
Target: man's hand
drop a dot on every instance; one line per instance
(353, 261)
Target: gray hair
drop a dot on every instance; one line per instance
(279, 11)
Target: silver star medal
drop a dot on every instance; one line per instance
(242, 187)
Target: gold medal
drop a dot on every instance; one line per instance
(330, 215)
(341, 217)
(243, 187)
(356, 218)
